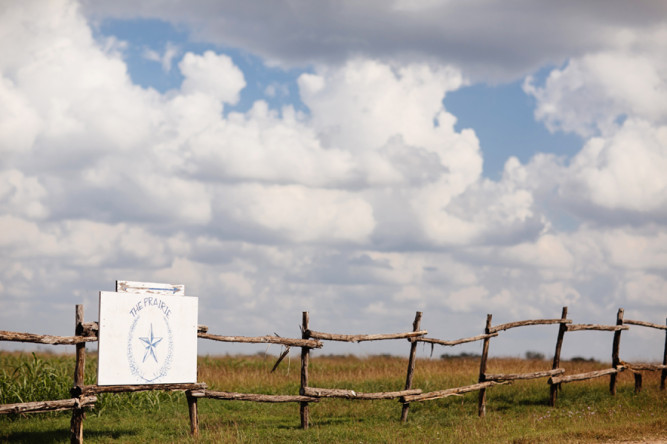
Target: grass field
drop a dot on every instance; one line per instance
(516, 413)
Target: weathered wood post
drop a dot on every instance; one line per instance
(638, 381)
(305, 355)
(663, 376)
(556, 363)
(411, 364)
(615, 359)
(482, 367)
(194, 417)
(76, 423)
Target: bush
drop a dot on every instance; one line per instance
(462, 355)
(534, 356)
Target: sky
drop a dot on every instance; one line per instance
(358, 160)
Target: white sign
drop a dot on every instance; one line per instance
(147, 339)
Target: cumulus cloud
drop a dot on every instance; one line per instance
(301, 214)
(21, 195)
(19, 123)
(361, 105)
(486, 38)
(594, 94)
(622, 172)
(214, 75)
(646, 290)
(370, 202)
(615, 98)
(262, 146)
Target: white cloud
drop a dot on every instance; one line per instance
(360, 106)
(616, 97)
(477, 298)
(303, 214)
(548, 251)
(624, 171)
(646, 290)
(559, 293)
(152, 55)
(277, 90)
(636, 249)
(212, 74)
(170, 52)
(592, 93)
(19, 123)
(22, 238)
(21, 195)
(262, 146)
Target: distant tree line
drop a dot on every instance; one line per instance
(530, 355)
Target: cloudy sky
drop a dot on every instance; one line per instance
(358, 160)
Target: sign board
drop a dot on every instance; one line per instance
(147, 337)
(150, 287)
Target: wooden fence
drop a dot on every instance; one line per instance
(84, 396)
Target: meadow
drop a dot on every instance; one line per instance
(516, 413)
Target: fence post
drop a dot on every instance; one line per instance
(663, 377)
(305, 354)
(638, 382)
(615, 359)
(194, 417)
(556, 363)
(411, 365)
(482, 367)
(76, 423)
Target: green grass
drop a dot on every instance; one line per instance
(517, 413)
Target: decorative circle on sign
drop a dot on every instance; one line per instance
(150, 347)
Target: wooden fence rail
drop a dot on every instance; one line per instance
(503, 327)
(85, 396)
(362, 338)
(456, 341)
(645, 324)
(351, 394)
(44, 339)
(584, 376)
(517, 376)
(439, 394)
(48, 406)
(580, 327)
(230, 396)
(263, 340)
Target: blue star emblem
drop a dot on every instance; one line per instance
(151, 343)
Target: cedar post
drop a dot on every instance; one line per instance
(194, 418)
(556, 363)
(305, 354)
(76, 423)
(411, 365)
(638, 382)
(663, 377)
(482, 367)
(615, 359)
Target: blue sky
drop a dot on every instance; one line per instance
(503, 119)
(358, 160)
